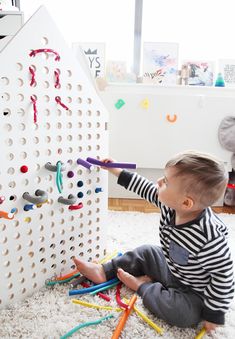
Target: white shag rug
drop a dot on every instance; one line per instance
(49, 313)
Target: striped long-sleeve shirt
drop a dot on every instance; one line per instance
(204, 262)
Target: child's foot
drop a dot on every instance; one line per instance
(130, 281)
(91, 271)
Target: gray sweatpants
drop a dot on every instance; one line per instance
(165, 296)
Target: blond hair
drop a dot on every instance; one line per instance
(205, 177)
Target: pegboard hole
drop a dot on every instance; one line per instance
(5, 252)
(23, 155)
(69, 112)
(44, 41)
(48, 152)
(31, 254)
(12, 197)
(10, 285)
(43, 260)
(18, 247)
(45, 70)
(69, 87)
(52, 246)
(22, 141)
(89, 101)
(47, 112)
(79, 87)
(21, 270)
(12, 184)
(30, 243)
(69, 73)
(3, 240)
(8, 127)
(6, 112)
(19, 66)
(9, 142)
(21, 112)
(7, 263)
(5, 81)
(20, 97)
(79, 112)
(46, 98)
(46, 84)
(45, 56)
(72, 248)
(8, 275)
(20, 82)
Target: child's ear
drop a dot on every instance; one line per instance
(188, 203)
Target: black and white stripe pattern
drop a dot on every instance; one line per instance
(209, 268)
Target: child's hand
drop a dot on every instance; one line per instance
(115, 171)
(210, 326)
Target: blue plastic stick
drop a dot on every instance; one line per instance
(89, 323)
(93, 288)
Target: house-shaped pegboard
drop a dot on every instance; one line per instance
(50, 114)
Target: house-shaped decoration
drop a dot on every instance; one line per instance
(52, 206)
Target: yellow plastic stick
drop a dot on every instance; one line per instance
(146, 319)
(124, 318)
(201, 333)
(108, 257)
(85, 303)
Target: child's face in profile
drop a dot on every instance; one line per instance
(170, 191)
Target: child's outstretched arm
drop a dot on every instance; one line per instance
(114, 171)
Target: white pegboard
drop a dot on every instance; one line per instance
(39, 243)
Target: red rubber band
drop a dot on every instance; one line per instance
(34, 52)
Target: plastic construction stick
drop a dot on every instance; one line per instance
(201, 333)
(66, 276)
(108, 257)
(108, 308)
(146, 319)
(124, 318)
(93, 288)
(89, 323)
(101, 295)
(54, 282)
(111, 164)
(104, 288)
(118, 297)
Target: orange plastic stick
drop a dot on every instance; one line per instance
(124, 317)
(66, 276)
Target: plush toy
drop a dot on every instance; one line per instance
(227, 140)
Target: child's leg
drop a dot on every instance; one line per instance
(165, 296)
